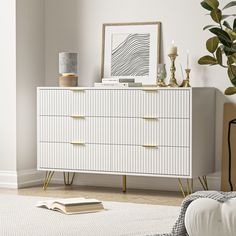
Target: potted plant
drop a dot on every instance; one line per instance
(222, 46)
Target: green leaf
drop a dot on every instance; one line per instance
(219, 56)
(231, 34)
(233, 81)
(212, 44)
(216, 15)
(207, 60)
(206, 6)
(230, 4)
(234, 25)
(226, 24)
(232, 73)
(230, 60)
(225, 43)
(226, 16)
(230, 91)
(222, 35)
(233, 56)
(229, 50)
(208, 26)
(212, 3)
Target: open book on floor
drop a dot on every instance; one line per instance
(72, 205)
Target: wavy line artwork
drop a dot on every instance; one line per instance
(130, 57)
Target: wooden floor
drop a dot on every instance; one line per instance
(104, 194)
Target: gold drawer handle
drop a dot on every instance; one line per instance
(150, 118)
(77, 89)
(150, 146)
(77, 117)
(150, 89)
(77, 143)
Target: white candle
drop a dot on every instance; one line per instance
(187, 59)
(173, 48)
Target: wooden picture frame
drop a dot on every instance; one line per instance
(131, 50)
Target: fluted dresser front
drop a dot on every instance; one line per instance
(149, 131)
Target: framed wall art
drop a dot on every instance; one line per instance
(131, 50)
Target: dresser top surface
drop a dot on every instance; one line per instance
(123, 88)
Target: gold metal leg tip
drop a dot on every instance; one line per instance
(124, 184)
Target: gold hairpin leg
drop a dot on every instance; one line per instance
(48, 177)
(181, 187)
(67, 180)
(189, 187)
(124, 184)
(203, 182)
(192, 188)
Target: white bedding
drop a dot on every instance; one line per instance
(207, 217)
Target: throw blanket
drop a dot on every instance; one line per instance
(179, 227)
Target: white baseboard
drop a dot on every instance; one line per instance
(29, 178)
(8, 179)
(133, 182)
(20, 179)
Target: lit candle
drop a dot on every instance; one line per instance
(187, 59)
(173, 48)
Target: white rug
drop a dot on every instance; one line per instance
(19, 217)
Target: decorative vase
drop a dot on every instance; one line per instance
(161, 75)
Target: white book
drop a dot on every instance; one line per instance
(72, 205)
(118, 80)
(117, 84)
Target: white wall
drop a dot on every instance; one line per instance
(22, 68)
(76, 25)
(8, 91)
(30, 72)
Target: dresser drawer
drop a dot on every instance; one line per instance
(68, 129)
(127, 131)
(145, 160)
(66, 156)
(66, 102)
(151, 131)
(168, 103)
(115, 158)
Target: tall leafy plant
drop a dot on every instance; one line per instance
(222, 46)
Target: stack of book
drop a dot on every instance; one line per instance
(118, 82)
(72, 205)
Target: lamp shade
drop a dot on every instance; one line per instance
(68, 63)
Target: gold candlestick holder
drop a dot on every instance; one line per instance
(173, 82)
(161, 83)
(186, 82)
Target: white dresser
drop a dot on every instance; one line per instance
(165, 132)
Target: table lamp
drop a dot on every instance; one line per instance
(68, 68)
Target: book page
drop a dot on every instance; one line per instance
(76, 201)
(66, 201)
